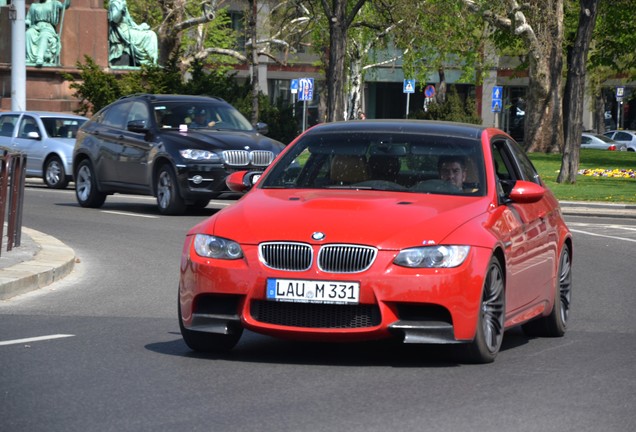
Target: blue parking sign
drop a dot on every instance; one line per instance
(306, 89)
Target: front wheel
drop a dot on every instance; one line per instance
(86, 190)
(54, 174)
(490, 322)
(169, 200)
(211, 343)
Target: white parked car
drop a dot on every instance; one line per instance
(627, 137)
(46, 138)
(591, 140)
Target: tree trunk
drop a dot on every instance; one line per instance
(253, 59)
(575, 92)
(336, 67)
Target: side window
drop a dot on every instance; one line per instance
(28, 125)
(622, 136)
(117, 115)
(528, 171)
(585, 140)
(139, 112)
(7, 124)
(504, 165)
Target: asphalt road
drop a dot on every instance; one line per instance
(111, 357)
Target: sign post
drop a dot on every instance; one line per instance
(409, 87)
(306, 93)
(620, 93)
(293, 87)
(497, 101)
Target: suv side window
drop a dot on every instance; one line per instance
(117, 115)
(139, 112)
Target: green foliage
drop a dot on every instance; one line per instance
(454, 109)
(95, 88)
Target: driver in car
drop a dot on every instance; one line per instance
(452, 169)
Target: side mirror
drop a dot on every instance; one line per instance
(33, 135)
(138, 126)
(262, 128)
(525, 192)
(242, 181)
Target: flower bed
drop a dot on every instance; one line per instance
(617, 173)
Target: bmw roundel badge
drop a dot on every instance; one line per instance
(318, 236)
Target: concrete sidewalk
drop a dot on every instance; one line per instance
(41, 259)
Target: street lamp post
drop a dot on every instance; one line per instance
(18, 55)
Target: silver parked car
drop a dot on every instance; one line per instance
(591, 140)
(627, 137)
(46, 138)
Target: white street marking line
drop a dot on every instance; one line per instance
(34, 339)
(606, 236)
(129, 214)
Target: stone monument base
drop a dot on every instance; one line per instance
(84, 33)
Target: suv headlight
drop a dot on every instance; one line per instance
(217, 247)
(432, 256)
(200, 155)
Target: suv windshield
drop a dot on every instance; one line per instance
(382, 161)
(199, 115)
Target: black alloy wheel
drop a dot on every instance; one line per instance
(169, 200)
(86, 190)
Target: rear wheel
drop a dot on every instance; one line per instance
(555, 324)
(490, 323)
(169, 200)
(54, 174)
(209, 342)
(86, 190)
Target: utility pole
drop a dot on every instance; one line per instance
(18, 55)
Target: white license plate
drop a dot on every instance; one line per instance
(311, 291)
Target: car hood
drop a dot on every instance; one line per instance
(223, 140)
(385, 219)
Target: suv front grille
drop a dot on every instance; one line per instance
(335, 258)
(244, 157)
(311, 315)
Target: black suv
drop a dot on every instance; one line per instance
(177, 148)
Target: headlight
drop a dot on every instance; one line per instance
(216, 247)
(432, 256)
(200, 155)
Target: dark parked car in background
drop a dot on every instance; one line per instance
(47, 139)
(177, 148)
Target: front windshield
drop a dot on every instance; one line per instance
(382, 161)
(199, 115)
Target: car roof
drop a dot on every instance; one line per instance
(45, 114)
(428, 127)
(173, 97)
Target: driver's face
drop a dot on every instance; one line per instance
(453, 173)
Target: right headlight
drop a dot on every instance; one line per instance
(200, 155)
(440, 256)
(217, 247)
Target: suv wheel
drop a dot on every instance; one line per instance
(168, 198)
(86, 190)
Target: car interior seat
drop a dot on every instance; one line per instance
(346, 169)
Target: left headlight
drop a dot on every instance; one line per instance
(200, 155)
(217, 247)
(432, 256)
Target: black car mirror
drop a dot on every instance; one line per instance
(262, 128)
(138, 126)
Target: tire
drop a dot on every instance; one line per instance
(211, 343)
(199, 204)
(54, 175)
(86, 190)
(169, 200)
(490, 322)
(555, 324)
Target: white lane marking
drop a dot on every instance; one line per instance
(35, 339)
(129, 214)
(601, 235)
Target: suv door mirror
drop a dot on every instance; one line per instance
(138, 126)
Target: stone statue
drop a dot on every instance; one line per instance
(42, 40)
(130, 44)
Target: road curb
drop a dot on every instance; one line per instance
(52, 261)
